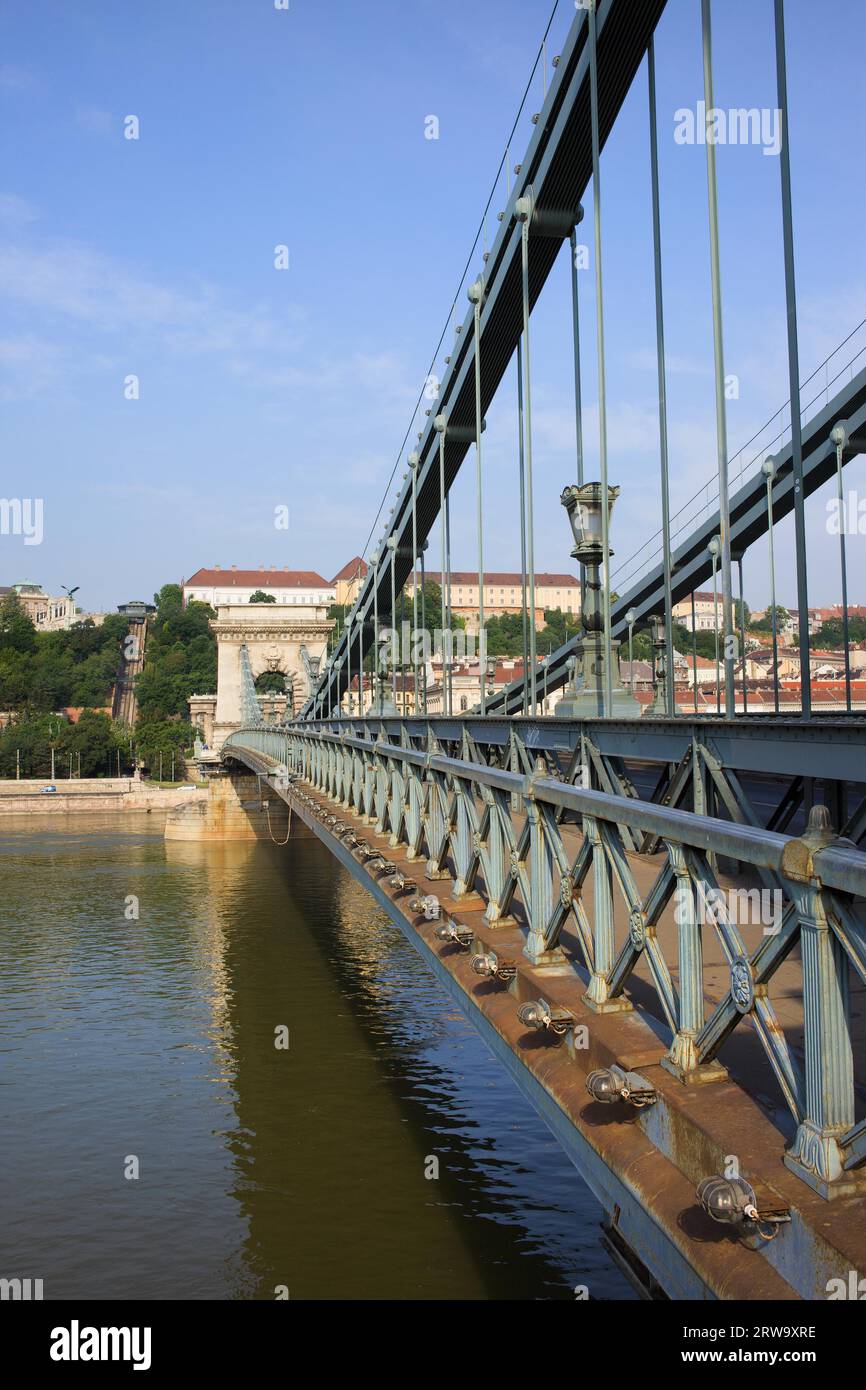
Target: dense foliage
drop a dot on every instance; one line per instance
(46, 671)
(179, 659)
(91, 746)
(43, 673)
(830, 636)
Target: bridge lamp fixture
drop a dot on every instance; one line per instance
(768, 467)
(490, 967)
(583, 506)
(456, 932)
(539, 1014)
(383, 866)
(475, 292)
(399, 883)
(611, 1084)
(428, 906)
(732, 1202)
(839, 434)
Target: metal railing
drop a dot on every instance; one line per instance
(527, 844)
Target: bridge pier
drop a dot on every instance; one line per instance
(239, 806)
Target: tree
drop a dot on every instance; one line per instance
(33, 735)
(504, 635)
(165, 736)
(17, 632)
(271, 683)
(261, 597)
(169, 596)
(180, 657)
(765, 624)
(93, 737)
(832, 634)
(558, 629)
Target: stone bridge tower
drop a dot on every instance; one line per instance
(273, 634)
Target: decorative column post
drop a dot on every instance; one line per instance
(465, 846)
(815, 1155)
(598, 996)
(497, 859)
(434, 821)
(683, 1060)
(541, 865)
(414, 812)
(367, 811)
(397, 803)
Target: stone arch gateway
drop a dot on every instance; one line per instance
(273, 634)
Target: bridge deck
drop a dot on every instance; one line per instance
(642, 1165)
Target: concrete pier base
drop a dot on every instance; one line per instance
(237, 807)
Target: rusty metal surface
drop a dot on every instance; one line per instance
(658, 1155)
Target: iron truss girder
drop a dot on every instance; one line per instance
(692, 565)
(557, 168)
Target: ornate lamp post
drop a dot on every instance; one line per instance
(386, 705)
(490, 674)
(715, 549)
(631, 618)
(350, 620)
(382, 702)
(338, 666)
(584, 696)
(661, 675)
(768, 468)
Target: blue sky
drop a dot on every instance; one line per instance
(262, 388)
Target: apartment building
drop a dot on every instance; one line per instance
(232, 585)
(503, 594)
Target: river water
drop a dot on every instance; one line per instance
(147, 1045)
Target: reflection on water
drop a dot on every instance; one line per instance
(259, 1167)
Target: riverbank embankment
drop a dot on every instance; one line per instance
(76, 795)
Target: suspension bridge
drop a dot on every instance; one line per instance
(655, 922)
